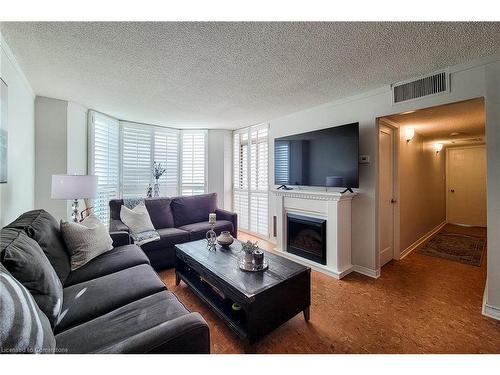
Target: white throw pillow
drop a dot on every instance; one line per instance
(137, 219)
(85, 240)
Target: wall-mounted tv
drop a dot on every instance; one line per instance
(326, 157)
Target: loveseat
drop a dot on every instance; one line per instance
(116, 303)
(177, 220)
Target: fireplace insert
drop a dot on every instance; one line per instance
(306, 237)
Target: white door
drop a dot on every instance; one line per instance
(466, 185)
(386, 194)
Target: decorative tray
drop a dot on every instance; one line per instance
(252, 267)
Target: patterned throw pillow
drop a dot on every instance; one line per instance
(85, 240)
(24, 327)
(139, 223)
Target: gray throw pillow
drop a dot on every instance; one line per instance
(85, 240)
(24, 328)
(25, 260)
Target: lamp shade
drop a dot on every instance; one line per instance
(73, 186)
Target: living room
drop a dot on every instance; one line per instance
(230, 174)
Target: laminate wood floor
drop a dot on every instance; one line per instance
(420, 304)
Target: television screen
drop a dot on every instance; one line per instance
(326, 157)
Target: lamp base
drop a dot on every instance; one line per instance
(74, 207)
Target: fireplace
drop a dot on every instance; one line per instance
(306, 237)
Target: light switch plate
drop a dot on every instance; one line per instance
(364, 159)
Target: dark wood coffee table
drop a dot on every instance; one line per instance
(268, 298)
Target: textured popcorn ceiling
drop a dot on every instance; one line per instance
(228, 75)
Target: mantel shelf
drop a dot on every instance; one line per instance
(314, 194)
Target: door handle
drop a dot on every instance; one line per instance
(452, 190)
(393, 200)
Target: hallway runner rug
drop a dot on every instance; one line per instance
(457, 247)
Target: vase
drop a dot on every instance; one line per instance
(225, 239)
(156, 189)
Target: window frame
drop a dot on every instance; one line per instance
(154, 131)
(237, 182)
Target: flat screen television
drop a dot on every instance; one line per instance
(326, 157)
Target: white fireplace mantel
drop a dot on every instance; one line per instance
(330, 205)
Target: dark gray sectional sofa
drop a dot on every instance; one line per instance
(116, 303)
(177, 220)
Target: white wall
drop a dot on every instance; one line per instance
(61, 148)
(422, 188)
(219, 166)
(17, 195)
(77, 141)
(492, 78)
(467, 81)
(50, 148)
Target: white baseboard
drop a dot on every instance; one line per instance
(367, 271)
(488, 310)
(315, 266)
(421, 240)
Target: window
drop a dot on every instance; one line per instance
(122, 156)
(193, 162)
(136, 161)
(250, 184)
(104, 134)
(141, 145)
(166, 152)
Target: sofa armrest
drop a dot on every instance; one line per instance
(187, 334)
(120, 238)
(117, 226)
(229, 216)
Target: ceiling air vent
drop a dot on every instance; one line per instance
(418, 88)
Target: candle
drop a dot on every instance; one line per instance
(211, 218)
(258, 257)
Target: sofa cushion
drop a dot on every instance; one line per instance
(168, 238)
(197, 231)
(115, 260)
(24, 328)
(157, 323)
(160, 212)
(85, 240)
(25, 260)
(44, 229)
(193, 209)
(90, 299)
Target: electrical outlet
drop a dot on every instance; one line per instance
(364, 159)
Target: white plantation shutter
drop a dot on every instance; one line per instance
(250, 179)
(166, 152)
(136, 163)
(103, 163)
(193, 162)
(258, 180)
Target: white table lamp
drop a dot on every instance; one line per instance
(74, 187)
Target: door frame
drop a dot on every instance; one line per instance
(381, 121)
(447, 180)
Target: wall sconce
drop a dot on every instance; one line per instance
(409, 134)
(438, 147)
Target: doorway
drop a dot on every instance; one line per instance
(431, 171)
(466, 186)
